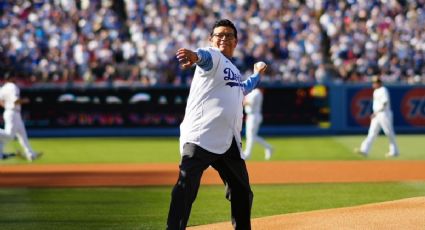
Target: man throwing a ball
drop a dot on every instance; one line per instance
(210, 134)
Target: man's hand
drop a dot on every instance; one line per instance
(186, 57)
(245, 101)
(21, 101)
(260, 67)
(25, 100)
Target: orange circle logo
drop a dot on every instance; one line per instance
(413, 107)
(361, 106)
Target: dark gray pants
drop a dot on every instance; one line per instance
(233, 172)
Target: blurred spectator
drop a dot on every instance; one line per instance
(134, 41)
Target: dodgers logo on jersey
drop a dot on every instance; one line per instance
(232, 78)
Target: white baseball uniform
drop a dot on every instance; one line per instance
(214, 109)
(254, 118)
(383, 119)
(13, 124)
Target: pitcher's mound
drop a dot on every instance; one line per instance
(401, 214)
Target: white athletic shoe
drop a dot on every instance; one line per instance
(357, 151)
(390, 155)
(246, 156)
(268, 154)
(33, 156)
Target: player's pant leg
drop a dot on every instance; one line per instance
(1, 148)
(233, 172)
(262, 142)
(257, 123)
(194, 161)
(387, 127)
(373, 132)
(21, 134)
(3, 155)
(7, 134)
(250, 134)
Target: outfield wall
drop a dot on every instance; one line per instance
(301, 109)
(352, 105)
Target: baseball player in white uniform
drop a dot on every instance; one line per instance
(210, 134)
(381, 118)
(253, 103)
(13, 124)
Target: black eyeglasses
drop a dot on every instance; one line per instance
(225, 36)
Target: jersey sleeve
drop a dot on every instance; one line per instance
(385, 96)
(251, 83)
(14, 93)
(205, 61)
(210, 58)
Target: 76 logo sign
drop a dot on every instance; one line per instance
(361, 106)
(413, 107)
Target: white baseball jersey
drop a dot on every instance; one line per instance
(380, 98)
(254, 101)
(214, 109)
(9, 93)
(13, 123)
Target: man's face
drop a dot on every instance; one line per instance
(224, 39)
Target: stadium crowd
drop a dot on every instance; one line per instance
(134, 41)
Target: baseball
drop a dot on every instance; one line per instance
(260, 64)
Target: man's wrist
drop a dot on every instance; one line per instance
(198, 57)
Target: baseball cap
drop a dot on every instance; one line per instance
(6, 75)
(376, 79)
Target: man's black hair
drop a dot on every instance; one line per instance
(8, 75)
(225, 23)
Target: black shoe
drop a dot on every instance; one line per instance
(5, 156)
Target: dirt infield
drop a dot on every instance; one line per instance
(166, 174)
(403, 214)
(392, 215)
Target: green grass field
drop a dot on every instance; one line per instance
(147, 207)
(144, 150)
